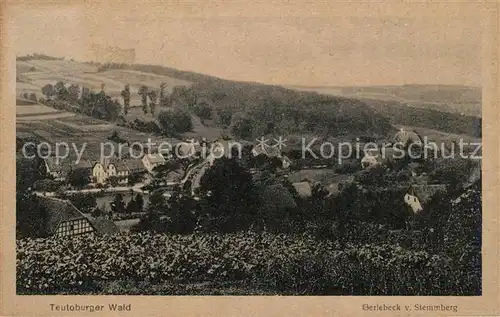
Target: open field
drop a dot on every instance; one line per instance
(23, 67)
(207, 130)
(51, 71)
(136, 79)
(84, 120)
(44, 116)
(34, 109)
(27, 110)
(56, 130)
(439, 136)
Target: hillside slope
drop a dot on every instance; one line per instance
(246, 110)
(444, 98)
(427, 118)
(451, 109)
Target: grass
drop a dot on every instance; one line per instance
(84, 120)
(51, 71)
(44, 116)
(138, 78)
(35, 110)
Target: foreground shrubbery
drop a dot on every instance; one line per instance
(286, 264)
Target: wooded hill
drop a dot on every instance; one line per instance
(250, 110)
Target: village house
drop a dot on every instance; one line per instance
(223, 148)
(271, 151)
(64, 219)
(135, 166)
(304, 189)
(83, 165)
(371, 159)
(151, 161)
(407, 137)
(58, 169)
(418, 195)
(99, 172)
(338, 183)
(118, 169)
(121, 169)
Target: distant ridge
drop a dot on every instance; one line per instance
(465, 100)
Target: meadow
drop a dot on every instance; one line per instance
(37, 73)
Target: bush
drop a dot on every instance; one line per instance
(288, 264)
(46, 185)
(145, 126)
(174, 122)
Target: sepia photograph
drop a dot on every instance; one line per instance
(169, 149)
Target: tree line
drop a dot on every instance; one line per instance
(99, 105)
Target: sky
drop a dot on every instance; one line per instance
(289, 44)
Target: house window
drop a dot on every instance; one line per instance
(414, 199)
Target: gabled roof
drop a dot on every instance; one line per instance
(119, 165)
(63, 165)
(135, 165)
(404, 136)
(425, 192)
(304, 189)
(173, 176)
(83, 163)
(155, 158)
(267, 150)
(59, 211)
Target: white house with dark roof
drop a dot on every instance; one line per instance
(118, 168)
(418, 195)
(99, 172)
(151, 161)
(106, 168)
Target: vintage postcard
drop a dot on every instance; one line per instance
(184, 158)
